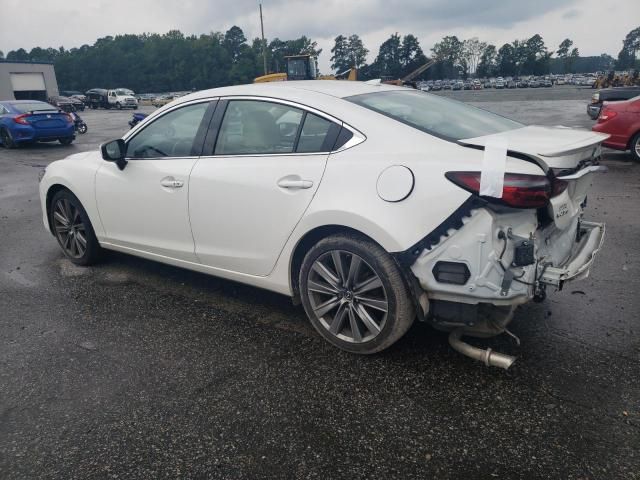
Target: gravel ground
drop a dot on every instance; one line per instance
(132, 369)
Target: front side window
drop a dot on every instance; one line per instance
(256, 127)
(171, 135)
(435, 115)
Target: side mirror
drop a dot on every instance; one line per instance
(114, 151)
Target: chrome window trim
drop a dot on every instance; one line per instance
(133, 132)
(357, 138)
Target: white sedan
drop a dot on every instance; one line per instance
(372, 205)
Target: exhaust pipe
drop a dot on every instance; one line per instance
(488, 356)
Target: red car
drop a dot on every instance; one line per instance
(622, 121)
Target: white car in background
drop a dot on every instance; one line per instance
(372, 205)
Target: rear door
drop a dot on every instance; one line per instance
(265, 164)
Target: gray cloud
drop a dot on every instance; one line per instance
(72, 23)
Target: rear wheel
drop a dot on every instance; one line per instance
(7, 139)
(635, 147)
(66, 141)
(73, 230)
(354, 294)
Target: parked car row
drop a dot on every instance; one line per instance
(508, 82)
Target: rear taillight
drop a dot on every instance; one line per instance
(69, 118)
(607, 114)
(22, 119)
(518, 191)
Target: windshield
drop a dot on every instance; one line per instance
(32, 106)
(121, 92)
(436, 115)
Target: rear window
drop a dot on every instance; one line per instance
(435, 115)
(32, 106)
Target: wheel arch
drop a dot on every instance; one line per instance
(53, 189)
(306, 242)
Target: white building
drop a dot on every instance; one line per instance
(27, 80)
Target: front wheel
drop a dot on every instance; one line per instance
(73, 230)
(635, 147)
(118, 106)
(354, 294)
(66, 141)
(82, 128)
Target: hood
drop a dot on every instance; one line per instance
(557, 147)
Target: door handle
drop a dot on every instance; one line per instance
(170, 182)
(288, 183)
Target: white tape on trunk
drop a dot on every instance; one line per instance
(494, 165)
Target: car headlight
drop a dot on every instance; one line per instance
(41, 174)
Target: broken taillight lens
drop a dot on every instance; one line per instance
(519, 190)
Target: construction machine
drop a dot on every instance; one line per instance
(407, 80)
(303, 67)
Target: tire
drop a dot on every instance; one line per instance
(81, 246)
(634, 145)
(332, 300)
(82, 128)
(7, 140)
(66, 141)
(118, 106)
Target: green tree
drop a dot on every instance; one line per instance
(448, 54)
(506, 60)
(388, 59)
(487, 64)
(234, 41)
(472, 50)
(567, 54)
(1, 55)
(630, 46)
(340, 60)
(357, 52)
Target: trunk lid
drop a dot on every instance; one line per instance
(48, 119)
(559, 148)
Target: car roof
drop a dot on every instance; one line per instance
(334, 88)
(16, 102)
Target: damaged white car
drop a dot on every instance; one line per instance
(373, 205)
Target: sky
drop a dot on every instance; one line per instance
(595, 26)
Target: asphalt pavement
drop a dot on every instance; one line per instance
(133, 369)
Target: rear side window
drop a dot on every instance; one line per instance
(313, 135)
(255, 127)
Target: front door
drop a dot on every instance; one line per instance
(246, 198)
(145, 206)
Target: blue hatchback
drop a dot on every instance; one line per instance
(27, 121)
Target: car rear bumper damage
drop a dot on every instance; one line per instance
(480, 266)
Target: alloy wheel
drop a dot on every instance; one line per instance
(69, 228)
(347, 296)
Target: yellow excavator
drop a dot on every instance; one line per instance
(304, 67)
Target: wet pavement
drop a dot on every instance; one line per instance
(132, 369)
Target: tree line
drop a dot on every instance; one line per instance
(174, 61)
